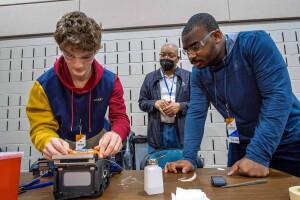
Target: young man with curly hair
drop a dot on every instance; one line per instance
(68, 103)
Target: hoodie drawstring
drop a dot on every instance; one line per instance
(72, 110)
(89, 110)
(90, 98)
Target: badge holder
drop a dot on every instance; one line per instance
(80, 139)
(232, 131)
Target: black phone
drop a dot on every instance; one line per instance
(218, 181)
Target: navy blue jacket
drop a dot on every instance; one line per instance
(253, 79)
(150, 93)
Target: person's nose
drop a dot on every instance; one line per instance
(78, 62)
(191, 55)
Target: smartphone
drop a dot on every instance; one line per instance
(218, 181)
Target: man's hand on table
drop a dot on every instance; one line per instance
(247, 167)
(185, 165)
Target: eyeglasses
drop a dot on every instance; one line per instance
(85, 58)
(198, 46)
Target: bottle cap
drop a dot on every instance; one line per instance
(152, 161)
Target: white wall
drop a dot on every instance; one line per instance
(23, 59)
(27, 17)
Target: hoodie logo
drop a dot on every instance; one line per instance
(98, 99)
(183, 83)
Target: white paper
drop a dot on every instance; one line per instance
(190, 194)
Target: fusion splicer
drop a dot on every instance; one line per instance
(80, 174)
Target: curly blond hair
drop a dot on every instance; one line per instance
(79, 31)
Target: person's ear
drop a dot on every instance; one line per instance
(218, 35)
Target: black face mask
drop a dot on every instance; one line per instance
(167, 64)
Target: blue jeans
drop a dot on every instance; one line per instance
(169, 138)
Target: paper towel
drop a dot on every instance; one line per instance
(190, 194)
(294, 193)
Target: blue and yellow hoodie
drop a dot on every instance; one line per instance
(56, 107)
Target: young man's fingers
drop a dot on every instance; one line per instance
(51, 150)
(109, 144)
(114, 144)
(103, 145)
(58, 145)
(47, 157)
(66, 145)
(109, 149)
(47, 154)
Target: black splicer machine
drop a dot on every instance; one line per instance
(80, 175)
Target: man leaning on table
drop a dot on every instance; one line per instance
(244, 76)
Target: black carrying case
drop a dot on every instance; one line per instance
(100, 179)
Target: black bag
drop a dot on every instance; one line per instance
(93, 180)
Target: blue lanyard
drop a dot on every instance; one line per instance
(170, 92)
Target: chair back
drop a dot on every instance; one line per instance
(167, 155)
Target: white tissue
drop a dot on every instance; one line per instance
(191, 194)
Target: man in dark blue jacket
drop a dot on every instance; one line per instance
(165, 96)
(244, 76)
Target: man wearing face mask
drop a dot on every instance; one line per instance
(165, 96)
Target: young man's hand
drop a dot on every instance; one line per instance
(56, 146)
(109, 144)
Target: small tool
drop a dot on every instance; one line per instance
(34, 183)
(246, 183)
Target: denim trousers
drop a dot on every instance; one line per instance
(169, 138)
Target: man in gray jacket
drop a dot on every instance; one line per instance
(165, 96)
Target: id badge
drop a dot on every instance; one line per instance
(80, 141)
(232, 130)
